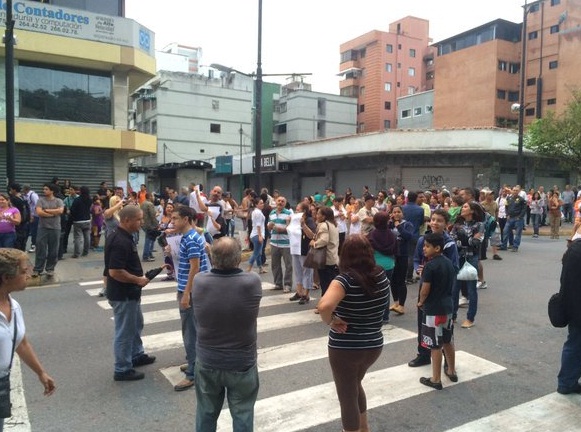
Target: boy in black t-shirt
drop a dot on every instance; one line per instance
(436, 301)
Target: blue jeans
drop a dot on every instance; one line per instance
(470, 287)
(256, 257)
(570, 372)
(47, 248)
(82, 232)
(127, 343)
(148, 246)
(536, 220)
(7, 240)
(189, 336)
(241, 389)
(516, 225)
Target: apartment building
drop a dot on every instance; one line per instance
(378, 67)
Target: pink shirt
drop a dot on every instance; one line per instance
(5, 225)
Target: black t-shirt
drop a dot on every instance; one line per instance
(439, 271)
(121, 254)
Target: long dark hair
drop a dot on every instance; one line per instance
(358, 262)
(327, 212)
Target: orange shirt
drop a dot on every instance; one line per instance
(141, 196)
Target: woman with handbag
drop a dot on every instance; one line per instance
(15, 270)
(300, 237)
(468, 231)
(327, 236)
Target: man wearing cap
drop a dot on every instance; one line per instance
(366, 214)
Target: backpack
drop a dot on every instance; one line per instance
(22, 205)
(489, 225)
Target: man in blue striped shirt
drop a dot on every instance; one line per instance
(278, 222)
(192, 260)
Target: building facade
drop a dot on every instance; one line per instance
(74, 71)
(303, 115)
(378, 67)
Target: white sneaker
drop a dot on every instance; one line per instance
(32, 249)
(463, 302)
(481, 285)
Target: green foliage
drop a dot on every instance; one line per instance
(558, 136)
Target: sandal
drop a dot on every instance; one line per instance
(428, 382)
(316, 286)
(453, 377)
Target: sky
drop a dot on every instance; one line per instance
(301, 36)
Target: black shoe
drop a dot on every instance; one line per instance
(574, 390)
(419, 361)
(497, 257)
(130, 375)
(143, 360)
(428, 382)
(295, 297)
(304, 300)
(502, 248)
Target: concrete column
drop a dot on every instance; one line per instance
(120, 99)
(120, 166)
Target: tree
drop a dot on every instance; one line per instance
(559, 136)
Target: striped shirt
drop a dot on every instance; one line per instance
(363, 314)
(281, 220)
(192, 245)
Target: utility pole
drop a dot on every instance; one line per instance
(258, 102)
(9, 66)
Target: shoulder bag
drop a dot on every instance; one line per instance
(557, 311)
(316, 257)
(5, 405)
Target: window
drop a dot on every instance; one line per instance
(154, 103)
(501, 94)
(389, 48)
(417, 111)
(398, 84)
(387, 86)
(406, 113)
(553, 64)
(530, 112)
(361, 108)
(362, 53)
(387, 105)
(322, 106)
(387, 124)
(411, 90)
(551, 101)
(514, 68)
(388, 67)
(533, 35)
(502, 65)
(412, 52)
(513, 96)
(283, 107)
(215, 104)
(429, 109)
(64, 94)
(555, 2)
(399, 65)
(555, 28)
(362, 91)
(412, 71)
(534, 7)
(398, 46)
(321, 129)
(430, 75)
(215, 128)
(361, 127)
(146, 127)
(531, 81)
(154, 127)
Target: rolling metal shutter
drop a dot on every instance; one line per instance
(38, 164)
(423, 178)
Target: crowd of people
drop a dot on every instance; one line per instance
(361, 252)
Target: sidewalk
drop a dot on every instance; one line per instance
(90, 268)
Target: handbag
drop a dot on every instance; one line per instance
(5, 405)
(316, 258)
(467, 273)
(557, 311)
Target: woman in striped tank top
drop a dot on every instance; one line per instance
(353, 307)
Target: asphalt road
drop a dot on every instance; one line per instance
(513, 338)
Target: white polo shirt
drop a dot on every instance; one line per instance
(7, 333)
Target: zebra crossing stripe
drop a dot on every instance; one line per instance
(553, 412)
(19, 422)
(93, 292)
(382, 387)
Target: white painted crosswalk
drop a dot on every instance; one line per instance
(279, 412)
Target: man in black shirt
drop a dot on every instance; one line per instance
(124, 282)
(516, 208)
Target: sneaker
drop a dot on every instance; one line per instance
(35, 274)
(183, 385)
(150, 259)
(535, 236)
(497, 257)
(184, 367)
(129, 375)
(286, 289)
(50, 273)
(102, 292)
(514, 249)
(32, 249)
(463, 302)
(481, 285)
(143, 360)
